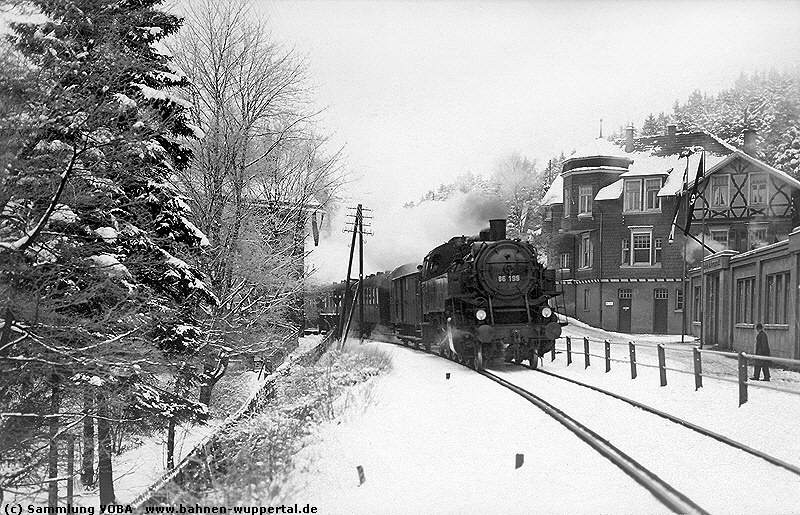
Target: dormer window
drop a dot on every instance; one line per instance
(641, 195)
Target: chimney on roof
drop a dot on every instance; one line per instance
(629, 138)
(671, 139)
(750, 142)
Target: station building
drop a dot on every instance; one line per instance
(624, 267)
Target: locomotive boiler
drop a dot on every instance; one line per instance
(487, 297)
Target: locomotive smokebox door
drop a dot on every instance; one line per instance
(485, 333)
(552, 330)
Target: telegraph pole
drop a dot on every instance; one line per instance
(348, 303)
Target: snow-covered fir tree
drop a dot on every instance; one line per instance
(99, 304)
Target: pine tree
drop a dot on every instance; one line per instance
(97, 303)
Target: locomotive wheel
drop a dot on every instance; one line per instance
(479, 357)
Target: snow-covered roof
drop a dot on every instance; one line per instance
(714, 162)
(555, 193)
(644, 165)
(611, 192)
(598, 147)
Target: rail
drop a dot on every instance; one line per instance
(663, 491)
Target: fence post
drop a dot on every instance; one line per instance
(608, 356)
(742, 379)
(698, 369)
(569, 350)
(586, 351)
(553, 353)
(632, 348)
(662, 365)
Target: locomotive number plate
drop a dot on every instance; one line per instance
(508, 278)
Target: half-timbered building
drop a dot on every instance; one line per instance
(621, 261)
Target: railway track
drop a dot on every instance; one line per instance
(670, 496)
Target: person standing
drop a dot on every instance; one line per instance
(762, 349)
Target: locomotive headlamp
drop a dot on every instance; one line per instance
(546, 312)
(480, 314)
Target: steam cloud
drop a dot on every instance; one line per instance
(402, 235)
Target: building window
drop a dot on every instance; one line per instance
(661, 293)
(586, 299)
(745, 293)
(696, 304)
(625, 293)
(657, 250)
(719, 191)
(585, 200)
(720, 236)
(637, 190)
(758, 189)
(626, 251)
(567, 202)
(633, 195)
(756, 237)
(652, 201)
(641, 248)
(565, 261)
(586, 250)
(679, 299)
(776, 298)
(548, 214)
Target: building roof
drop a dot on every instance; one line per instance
(555, 193)
(611, 192)
(659, 145)
(648, 165)
(598, 147)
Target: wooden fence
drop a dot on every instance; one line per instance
(743, 359)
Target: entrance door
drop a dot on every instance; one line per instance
(624, 318)
(660, 306)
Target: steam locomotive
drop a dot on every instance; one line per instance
(476, 298)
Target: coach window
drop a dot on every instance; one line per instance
(719, 191)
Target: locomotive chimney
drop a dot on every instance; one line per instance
(497, 229)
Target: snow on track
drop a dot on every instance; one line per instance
(717, 477)
(432, 445)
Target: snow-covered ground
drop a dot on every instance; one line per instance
(137, 469)
(436, 445)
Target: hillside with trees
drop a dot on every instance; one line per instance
(767, 102)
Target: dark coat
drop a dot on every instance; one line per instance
(762, 347)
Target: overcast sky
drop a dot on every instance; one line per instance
(422, 91)
(419, 92)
